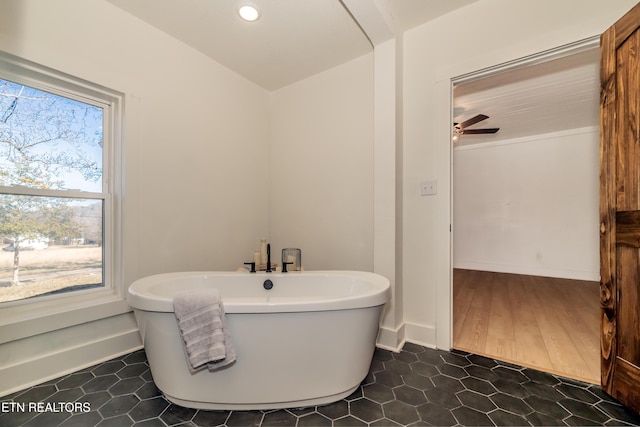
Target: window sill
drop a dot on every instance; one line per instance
(25, 320)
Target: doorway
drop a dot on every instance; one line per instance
(525, 213)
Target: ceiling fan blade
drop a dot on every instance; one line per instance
(479, 131)
(472, 121)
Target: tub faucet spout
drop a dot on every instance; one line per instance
(284, 266)
(268, 258)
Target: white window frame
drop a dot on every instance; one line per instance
(28, 317)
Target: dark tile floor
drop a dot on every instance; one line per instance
(418, 386)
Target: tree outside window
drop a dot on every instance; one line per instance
(51, 195)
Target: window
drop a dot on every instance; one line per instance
(59, 150)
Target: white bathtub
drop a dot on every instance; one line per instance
(307, 341)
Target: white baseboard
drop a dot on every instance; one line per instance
(391, 339)
(424, 335)
(33, 369)
(394, 340)
(593, 276)
(36, 364)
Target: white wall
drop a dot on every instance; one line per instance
(196, 170)
(321, 168)
(213, 163)
(196, 139)
(529, 205)
(434, 53)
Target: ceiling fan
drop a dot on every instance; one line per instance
(461, 128)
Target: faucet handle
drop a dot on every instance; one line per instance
(284, 266)
(253, 266)
(269, 258)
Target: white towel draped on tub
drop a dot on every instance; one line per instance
(202, 323)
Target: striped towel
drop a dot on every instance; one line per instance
(202, 323)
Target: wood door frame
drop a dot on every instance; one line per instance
(446, 310)
(619, 211)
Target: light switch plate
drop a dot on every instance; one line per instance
(428, 188)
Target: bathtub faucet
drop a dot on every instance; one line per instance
(284, 266)
(268, 258)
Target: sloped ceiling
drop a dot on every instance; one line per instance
(292, 40)
(295, 39)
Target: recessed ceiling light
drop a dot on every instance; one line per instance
(249, 13)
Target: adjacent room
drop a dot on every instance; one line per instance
(525, 215)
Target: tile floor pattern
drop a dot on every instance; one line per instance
(418, 386)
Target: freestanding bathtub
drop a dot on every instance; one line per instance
(308, 340)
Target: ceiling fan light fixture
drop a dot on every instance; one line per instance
(249, 12)
(461, 128)
(456, 134)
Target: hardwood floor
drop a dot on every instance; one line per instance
(545, 323)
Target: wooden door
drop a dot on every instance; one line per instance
(620, 210)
